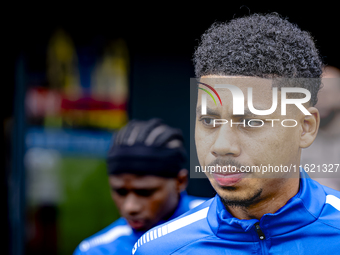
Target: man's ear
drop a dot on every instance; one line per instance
(182, 180)
(310, 127)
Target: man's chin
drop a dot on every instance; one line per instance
(233, 200)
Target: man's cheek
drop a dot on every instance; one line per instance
(202, 152)
(154, 204)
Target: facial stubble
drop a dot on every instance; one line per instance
(241, 203)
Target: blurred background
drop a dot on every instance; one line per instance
(75, 75)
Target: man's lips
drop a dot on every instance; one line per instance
(228, 179)
(136, 224)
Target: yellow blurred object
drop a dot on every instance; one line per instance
(104, 107)
(62, 65)
(110, 76)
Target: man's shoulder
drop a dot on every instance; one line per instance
(193, 201)
(177, 233)
(330, 213)
(103, 240)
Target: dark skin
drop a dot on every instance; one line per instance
(145, 200)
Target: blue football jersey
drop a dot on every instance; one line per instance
(119, 237)
(308, 224)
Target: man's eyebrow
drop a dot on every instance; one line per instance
(209, 111)
(117, 188)
(147, 188)
(248, 113)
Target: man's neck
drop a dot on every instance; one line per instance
(269, 204)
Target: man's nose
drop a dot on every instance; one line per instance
(227, 142)
(132, 204)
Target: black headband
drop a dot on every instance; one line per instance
(145, 160)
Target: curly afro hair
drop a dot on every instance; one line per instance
(265, 46)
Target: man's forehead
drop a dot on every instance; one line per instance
(239, 81)
(135, 181)
(261, 90)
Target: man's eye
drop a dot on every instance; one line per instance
(145, 192)
(253, 123)
(208, 122)
(121, 192)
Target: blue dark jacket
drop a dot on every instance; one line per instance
(119, 237)
(308, 224)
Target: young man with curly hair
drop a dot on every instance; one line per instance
(268, 212)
